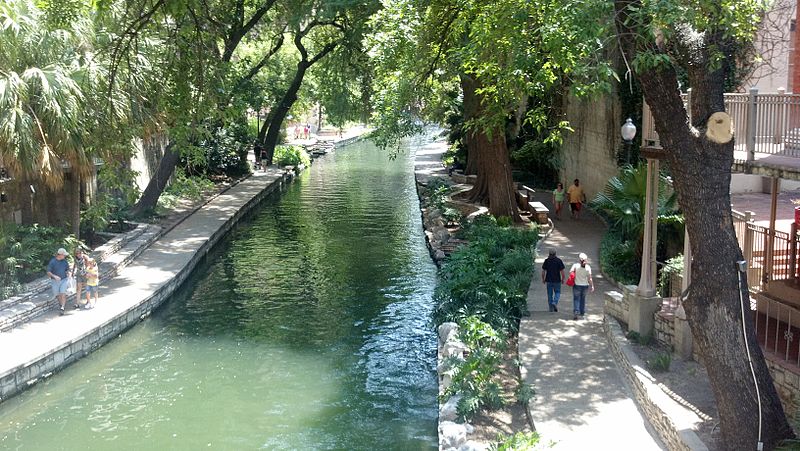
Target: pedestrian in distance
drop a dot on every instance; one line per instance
(553, 277)
(58, 271)
(79, 272)
(92, 280)
(576, 199)
(306, 131)
(583, 283)
(264, 158)
(558, 199)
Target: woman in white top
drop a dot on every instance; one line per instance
(583, 282)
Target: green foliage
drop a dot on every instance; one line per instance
(673, 267)
(619, 259)
(473, 377)
(487, 278)
(636, 337)
(521, 441)
(525, 393)
(660, 362)
(25, 251)
(185, 187)
(286, 155)
(226, 150)
(543, 159)
(622, 201)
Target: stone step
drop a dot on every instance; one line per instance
(116, 257)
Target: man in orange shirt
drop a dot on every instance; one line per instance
(576, 199)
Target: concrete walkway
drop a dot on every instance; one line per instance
(50, 342)
(581, 400)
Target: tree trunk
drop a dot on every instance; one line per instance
(157, 183)
(75, 203)
(470, 110)
(282, 110)
(494, 184)
(702, 173)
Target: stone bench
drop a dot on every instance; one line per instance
(539, 211)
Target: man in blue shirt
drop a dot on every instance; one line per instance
(58, 272)
(553, 276)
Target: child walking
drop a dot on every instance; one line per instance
(92, 279)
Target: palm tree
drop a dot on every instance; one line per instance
(622, 202)
(41, 114)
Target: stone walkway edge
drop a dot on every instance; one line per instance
(674, 423)
(36, 350)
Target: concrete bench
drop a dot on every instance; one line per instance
(539, 212)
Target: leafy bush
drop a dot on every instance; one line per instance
(286, 155)
(619, 259)
(669, 275)
(185, 187)
(487, 278)
(25, 251)
(474, 376)
(660, 362)
(517, 442)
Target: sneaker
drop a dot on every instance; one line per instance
(555, 309)
(76, 306)
(61, 311)
(574, 317)
(550, 307)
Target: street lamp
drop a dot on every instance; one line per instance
(628, 132)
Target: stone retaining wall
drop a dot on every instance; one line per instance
(664, 328)
(787, 383)
(674, 424)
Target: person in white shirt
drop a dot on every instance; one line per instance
(583, 283)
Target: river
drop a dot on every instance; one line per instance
(307, 328)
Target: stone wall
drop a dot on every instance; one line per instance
(674, 424)
(589, 153)
(664, 328)
(787, 383)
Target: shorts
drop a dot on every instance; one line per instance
(91, 289)
(58, 286)
(575, 206)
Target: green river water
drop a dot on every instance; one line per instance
(307, 329)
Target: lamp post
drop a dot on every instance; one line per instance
(628, 132)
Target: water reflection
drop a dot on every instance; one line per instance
(307, 330)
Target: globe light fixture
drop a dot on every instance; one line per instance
(628, 131)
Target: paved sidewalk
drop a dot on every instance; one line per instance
(581, 400)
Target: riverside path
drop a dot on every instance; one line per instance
(581, 399)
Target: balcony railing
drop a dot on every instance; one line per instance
(763, 124)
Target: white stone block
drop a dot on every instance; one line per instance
(446, 330)
(451, 434)
(448, 410)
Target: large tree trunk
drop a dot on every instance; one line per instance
(471, 103)
(494, 184)
(280, 112)
(702, 174)
(166, 166)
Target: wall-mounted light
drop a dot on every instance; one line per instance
(628, 131)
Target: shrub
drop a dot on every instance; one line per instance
(25, 251)
(517, 442)
(619, 259)
(660, 362)
(286, 155)
(473, 377)
(487, 278)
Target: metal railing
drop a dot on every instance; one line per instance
(777, 327)
(754, 242)
(766, 124)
